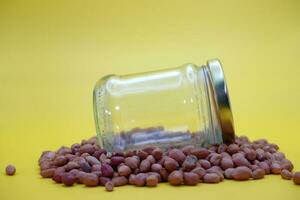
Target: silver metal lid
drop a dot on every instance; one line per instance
(222, 102)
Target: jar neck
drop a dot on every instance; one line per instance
(213, 129)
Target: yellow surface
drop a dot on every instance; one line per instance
(52, 53)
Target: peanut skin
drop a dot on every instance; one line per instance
(176, 178)
(170, 164)
(211, 178)
(157, 153)
(286, 174)
(109, 186)
(258, 173)
(241, 173)
(140, 179)
(296, 178)
(86, 163)
(151, 180)
(177, 155)
(124, 170)
(119, 181)
(90, 180)
(190, 178)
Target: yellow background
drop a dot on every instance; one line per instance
(53, 52)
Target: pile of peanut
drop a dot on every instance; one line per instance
(86, 163)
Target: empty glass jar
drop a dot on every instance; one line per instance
(187, 105)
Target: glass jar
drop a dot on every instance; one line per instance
(187, 105)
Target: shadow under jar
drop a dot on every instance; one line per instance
(187, 105)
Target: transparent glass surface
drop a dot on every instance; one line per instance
(162, 108)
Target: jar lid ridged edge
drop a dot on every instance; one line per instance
(222, 101)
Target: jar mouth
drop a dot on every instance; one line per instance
(221, 99)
